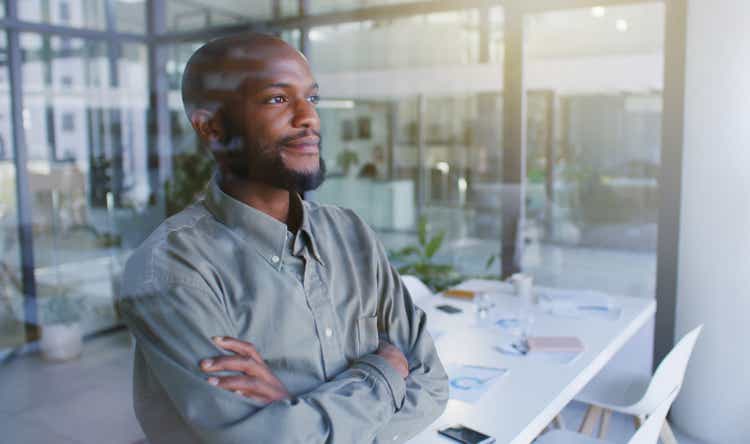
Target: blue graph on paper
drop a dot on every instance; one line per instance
(469, 382)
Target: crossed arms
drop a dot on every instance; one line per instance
(384, 396)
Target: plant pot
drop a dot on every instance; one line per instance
(61, 342)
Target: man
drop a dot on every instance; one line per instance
(260, 317)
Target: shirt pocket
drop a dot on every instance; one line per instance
(367, 335)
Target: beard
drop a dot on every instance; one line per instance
(251, 161)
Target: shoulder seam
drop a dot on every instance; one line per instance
(150, 279)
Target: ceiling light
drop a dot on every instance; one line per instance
(462, 184)
(443, 167)
(315, 35)
(622, 25)
(598, 11)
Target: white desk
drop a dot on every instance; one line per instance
(521, 403)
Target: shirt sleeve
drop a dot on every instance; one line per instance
(405, 325)
(173, 323)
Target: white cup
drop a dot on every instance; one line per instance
(523, 285)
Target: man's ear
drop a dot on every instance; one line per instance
(208, 125)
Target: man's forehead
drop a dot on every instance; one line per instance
(258, 72)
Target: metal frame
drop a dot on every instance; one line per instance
(23, 196)
(513, 198)
(157, 37)
(670, 183)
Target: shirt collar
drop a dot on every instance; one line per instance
(267, 233)
(306, 228)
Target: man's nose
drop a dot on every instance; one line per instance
(305, 115)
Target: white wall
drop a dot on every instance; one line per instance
(714, 265)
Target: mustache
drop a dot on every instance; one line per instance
(301, 135)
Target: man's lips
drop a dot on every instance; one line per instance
(304, 145)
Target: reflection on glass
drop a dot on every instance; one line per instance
(291, 7)
(11, 289)
(74, 13)
(197, 14)
(191, 166)
(440, 39)
(85, 126)
(593, 141)
(130, 16)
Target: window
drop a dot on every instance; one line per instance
(68, 122)
(64, 10)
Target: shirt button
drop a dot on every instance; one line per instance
(329, 332)
(274, 259)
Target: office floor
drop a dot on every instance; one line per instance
(89, 400)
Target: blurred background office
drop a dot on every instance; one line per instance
(591, 144)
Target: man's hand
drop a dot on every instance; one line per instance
(393, 355)
(257, 380)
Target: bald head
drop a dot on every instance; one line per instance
(251, 99)
(219, 70)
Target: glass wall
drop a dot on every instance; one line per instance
(438, 39)
(183, 15)
(85, 128)
(12, 332)
(130, 16)
(89, 14)
(412, 118)
(291, 7)
(594, 142)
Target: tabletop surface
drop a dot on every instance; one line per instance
(518, 405)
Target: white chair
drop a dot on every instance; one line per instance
(647, 434)
(417, 289)
(635, 395)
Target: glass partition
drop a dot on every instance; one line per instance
(85, 127)
(90, 14)
(412, 119)
(12, 333)
(184, 15)
(594, 142)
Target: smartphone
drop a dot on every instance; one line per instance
(466, 435)
(448, 309)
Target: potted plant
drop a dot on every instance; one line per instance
(418, 260)
(347, 159)
(191, 174)
(61, 332)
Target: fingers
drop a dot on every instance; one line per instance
(395, 358)
(237, 346)
(250, 387)
(236, 363)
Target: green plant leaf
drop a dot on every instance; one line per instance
(490, 261)
(422, 230)
(434, 245)
(406, 251)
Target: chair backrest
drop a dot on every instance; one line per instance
(669, 375)
(417, 289)
(648, 433)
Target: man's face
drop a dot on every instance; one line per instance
(275, 123)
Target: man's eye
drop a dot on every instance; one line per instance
(314, 99)
(276, 100)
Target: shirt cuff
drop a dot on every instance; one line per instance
(396, 384)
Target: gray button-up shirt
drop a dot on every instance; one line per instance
(314, 303)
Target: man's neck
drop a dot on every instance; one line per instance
(270, 200)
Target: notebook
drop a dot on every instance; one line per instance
(569, 344)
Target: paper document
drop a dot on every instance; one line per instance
(578, 303)
(469, 382)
